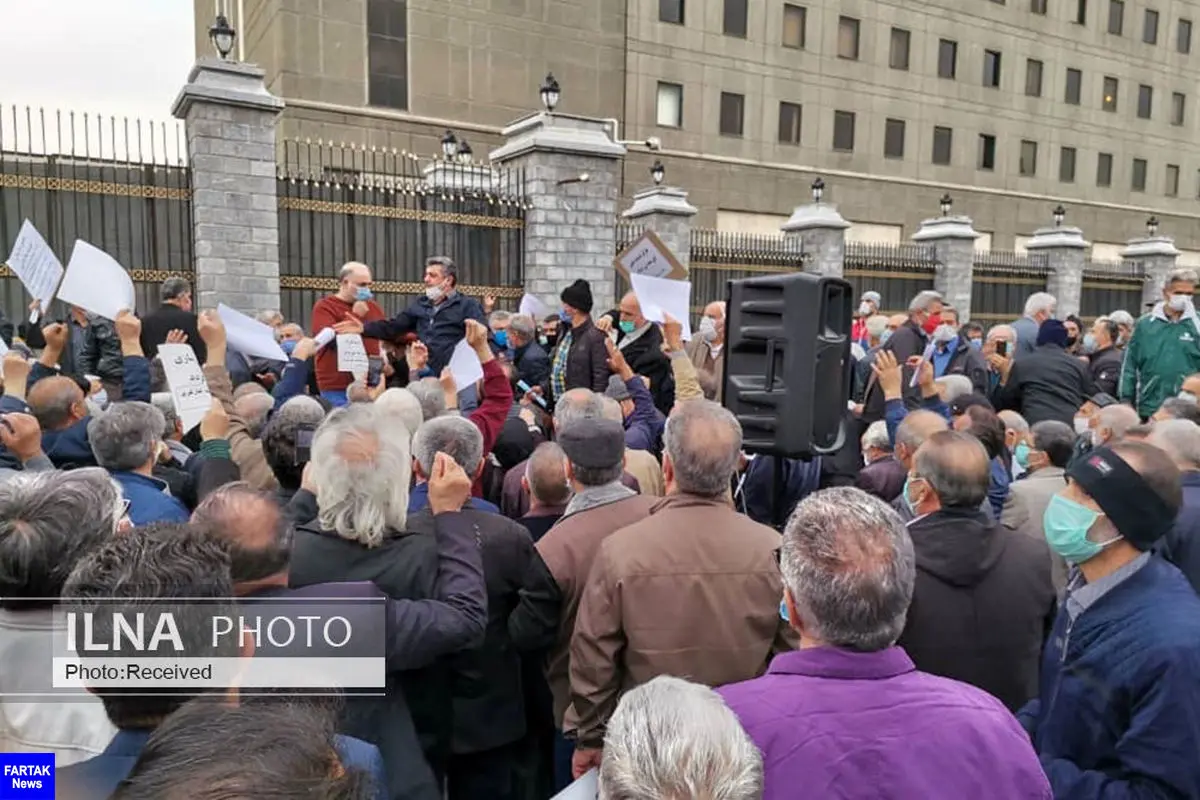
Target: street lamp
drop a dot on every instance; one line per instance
(1060, 214)
(464, 152)
(947, 203)
(550, 92)
(1152, 226)
(657, 173)
(449, 145)
(818, 189)
(222, 36)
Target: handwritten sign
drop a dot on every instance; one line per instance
(352, 354)
(185, 378)
(650, 257)
(95, 282)
(36, 265)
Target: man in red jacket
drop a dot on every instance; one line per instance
(352, 300)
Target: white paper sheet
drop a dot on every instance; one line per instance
(36, 265)
(928, 354)
(586, 788)
(324, 337)
(95, 282)
(185, 378)
(659, 296)
(352, 354)
(464, 366)
(3, 348)
(249, 336)
(533, 307)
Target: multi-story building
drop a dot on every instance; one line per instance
(1011, 106)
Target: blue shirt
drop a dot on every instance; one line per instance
(418, 500)
(942, 354)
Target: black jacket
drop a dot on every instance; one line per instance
(969, 362)
(645, 357)
(587, 359)
(157, 324)
(532, 363)
(1104, 366)
(1046, 384)
(908, 341)
(983, 603)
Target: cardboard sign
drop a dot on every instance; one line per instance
(650, 257)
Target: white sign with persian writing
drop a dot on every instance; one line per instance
(650, 257)
(36, 265)
(352, 354)
(185, 379)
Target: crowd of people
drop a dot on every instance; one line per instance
(989, 591)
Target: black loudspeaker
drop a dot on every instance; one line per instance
(787, 362)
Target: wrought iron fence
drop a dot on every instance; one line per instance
(119, 184)
(1111, 285)
(718, 257)
(1002, 282)
(391, 210)
(897, 271)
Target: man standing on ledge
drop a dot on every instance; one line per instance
(353, 303)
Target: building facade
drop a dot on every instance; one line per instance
(1011, 106)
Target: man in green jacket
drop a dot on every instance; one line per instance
(1164, 348)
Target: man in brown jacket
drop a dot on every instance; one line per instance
(693, 590)
(707, 348)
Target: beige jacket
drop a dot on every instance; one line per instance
(642, 465)
(1032, 494)
(247, 451)
(702, 359)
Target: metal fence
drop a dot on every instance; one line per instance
(391, 210)
(1111, 285)
(897, 271)
(718, 257)
(119, 184)
(1002, 282)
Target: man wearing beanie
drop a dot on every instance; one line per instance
(580, 361)
(1119, 707)
(1049, 383)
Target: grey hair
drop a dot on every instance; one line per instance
(956, 386)
(546, 477)
(403, 405)
(348, 269)
(1013, 421)
(457, 437)
(611, 409)
(1182, 275)
(126, 436)
(254, 408)
(912, 434)
(430, 396)
(446, 263)
(577, 404)
(499, 315)
(1121, 317)
(1006, 332)
(956, 466)
(703, 441)
(163, 402)
(361, 470)
(673, 739)
(174, 288)
(877, 436)
(522, 325)
(1040, 301)
(1117, 418)
(876, 325)
(1179, 439)
(279, 438)
(848, 562)
(924, 300)
(269, 317)
(1178, 408)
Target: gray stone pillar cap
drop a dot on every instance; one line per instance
(815, 216)
(660, 200)
(936, 228)
(232, 83)
(1063, 236)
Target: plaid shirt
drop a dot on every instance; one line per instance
(558, 374)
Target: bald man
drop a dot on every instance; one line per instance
(352, 302)
(641, 342)
(707, 347)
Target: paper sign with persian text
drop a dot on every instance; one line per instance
(352, 354)
(185, 379)
(36, 265)
(650, 257)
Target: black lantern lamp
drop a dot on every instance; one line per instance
(223, 36)
(1152, 226)
(1060, 214)
(550, 92)
(657, 173)
(947, 203)
(464, 152)
(818, 190)
(449, 145)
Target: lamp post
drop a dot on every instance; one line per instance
(657, 173)
(1152, 226)
(222, 36)
(947, 203)
(464, 152)
(550, 92)
(818, 189)
(1060, 214)
(449, 145)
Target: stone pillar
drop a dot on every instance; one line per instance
(953, 240)
(229, 117)
(572, 177)
(666, 211)
(1157, 256)
(1066, 254)
(819, 231)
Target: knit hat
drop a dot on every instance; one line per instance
(578, 296)
(1052, 332)
(617, 389)
(1138, 512)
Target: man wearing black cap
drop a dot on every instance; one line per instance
(580, 360)
(1119, 706)
(1048, 383)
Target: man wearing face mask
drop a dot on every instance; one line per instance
(953, 355)
(910, 339)
(707, 350)
(1120, 704)
(1164, 348)
(641, 343)
(868, 307)
(345, 311)
(1104, 359)
(1045, 456)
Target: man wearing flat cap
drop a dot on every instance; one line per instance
(545, 617)
(1118, 713)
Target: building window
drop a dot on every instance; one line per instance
(789, 123)
(1183, 36)
(1178, 107)
(1145, 101)
(898, 58)
(735, 18)
(1150, 28)
(1138, 183)
(387, 53)
(670, 11)
(991, 68)
(947, 58)
(1033, 77)
(848, 38)
(1028, 164)
(1074, 86)
(1081, 12)
(1104, 169)
(1110, 94)
(843, 131)
(893, 138)
(943, 143)
(987, 151)
(1066, 165)
(999, 2)
(795, 24)
(1116, 17)
(670, 105)
(1038, 6)
(732, 108)
(1172, 188)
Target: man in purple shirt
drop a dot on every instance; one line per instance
(848, 715)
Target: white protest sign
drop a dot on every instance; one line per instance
(36, 265)
(352, 354)
(660, 296)
(928, 354)
(649, 256)
(533, 307)
(95, 282)
(464, 365)
(185, 378)
(586, 788)
(3, 348)
(249, 336)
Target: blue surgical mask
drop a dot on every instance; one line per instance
(887, 334)
(1066, 525)
(977, 344)
(1021, 455)
(501, 338)
(543, 340)
(783, 612)
(1089, 343)
(363, 294)
(288, 345)
(564, 316)
(908, 501)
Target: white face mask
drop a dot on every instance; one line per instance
(708, 329)
(864, 309)
(1081, 425)
(1187, 397)
(100, 398)
(435, 293)
(1179, 302)
(944, 334)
